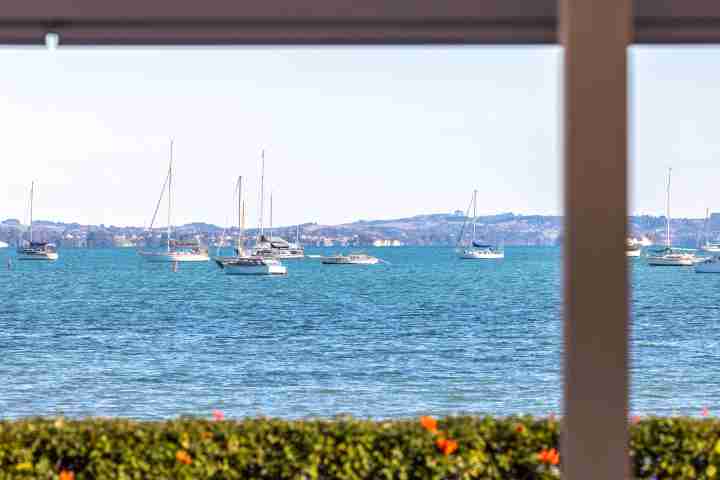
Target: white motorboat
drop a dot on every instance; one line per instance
(633, 248)
(176, 251)
(352, 259)
(708, 265)
(242, 263)
(36, 250)
(477, 250)
(670, 257)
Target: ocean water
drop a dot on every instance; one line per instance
(104, 333)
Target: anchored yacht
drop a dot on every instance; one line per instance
(242, 263)
(177, 251)
(477, 250)
(670, 257)
(36, 250)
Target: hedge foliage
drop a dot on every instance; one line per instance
(343, 448)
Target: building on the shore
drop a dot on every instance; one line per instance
(387, 243)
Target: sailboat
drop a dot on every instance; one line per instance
(267, 245)
(477, 250)
(36, 250)
(176, 251)
(242, 263)
(709, 246)
(669, 257)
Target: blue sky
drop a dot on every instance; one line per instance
(349, 132)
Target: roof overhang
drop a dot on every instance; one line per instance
(243, 22)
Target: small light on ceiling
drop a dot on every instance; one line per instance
(52, 40)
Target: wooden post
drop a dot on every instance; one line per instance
(595, 35)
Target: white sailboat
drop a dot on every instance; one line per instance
(36, 250)
(242, 263)
(177, 251)
(709, 246)
(477, 250)
(669, 257)
(268, 245)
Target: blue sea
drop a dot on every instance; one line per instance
(104, 333)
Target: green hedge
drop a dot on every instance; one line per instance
(344, 448)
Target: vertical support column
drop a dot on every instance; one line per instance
(595, 35)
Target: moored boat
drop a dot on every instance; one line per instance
(176, 251)
(252, 265)
(477, 250)
(242, 263)
(352, 259)
(36, 250)
(633, 248)
(670, 257)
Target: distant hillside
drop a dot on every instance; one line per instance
(428, 229)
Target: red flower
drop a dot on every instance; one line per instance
(183, 457)
(520, 428)
(67, 475)
(551, 457)
(429, 424)
(218, 415)
(446, 446)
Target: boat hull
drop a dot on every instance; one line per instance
(231, 269)
(683, 261)
(333, 261)
(481, 255)
(250, 266)
(164, 257)
(47, 257)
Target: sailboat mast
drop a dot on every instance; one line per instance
(32, 193)
(474, 213)
(667, 210)
(271, 216)
(240, 214)
(169, 224)
(262, 193)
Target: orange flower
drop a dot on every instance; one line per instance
(429, 424)
(218, 415)
(635, 419)
(551, 456)
(183, 457)
(520, 428)
(446, 446)
(67, 475)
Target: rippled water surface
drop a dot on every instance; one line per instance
(101, 332)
